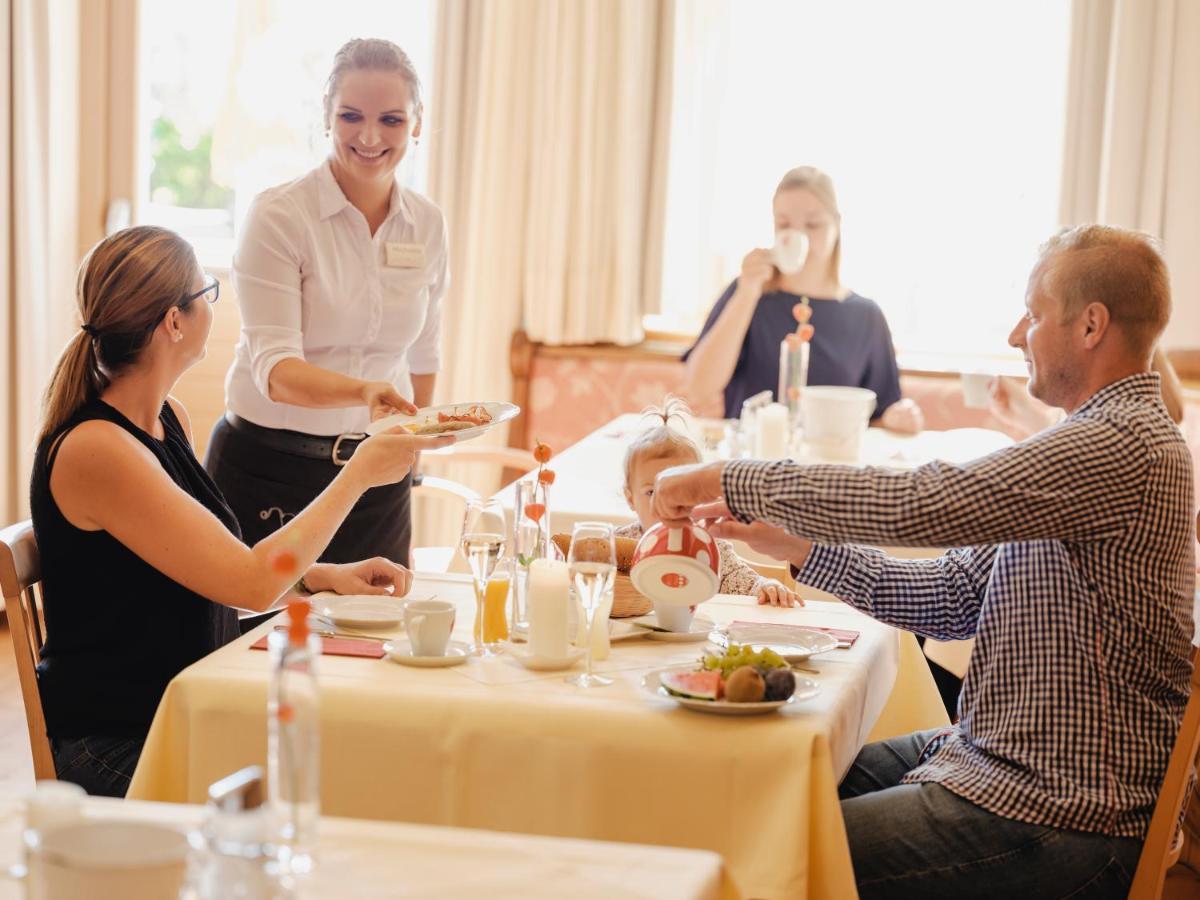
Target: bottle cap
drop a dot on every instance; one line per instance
(297, 611)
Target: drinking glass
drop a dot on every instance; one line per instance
(483, 532)
(592, 564)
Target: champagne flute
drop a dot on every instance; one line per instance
(592, 564)
(483, 533)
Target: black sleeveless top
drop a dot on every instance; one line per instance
(117, 629)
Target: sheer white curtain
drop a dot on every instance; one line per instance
(1133, 134)
(39, 188)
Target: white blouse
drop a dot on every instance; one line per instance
(313, 284)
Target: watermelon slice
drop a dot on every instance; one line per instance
(697, 685)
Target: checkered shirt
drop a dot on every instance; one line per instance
(1074, 572)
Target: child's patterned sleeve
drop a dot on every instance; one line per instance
(736, 576)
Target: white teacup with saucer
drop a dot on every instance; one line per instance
(428, 623)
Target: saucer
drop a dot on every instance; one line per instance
(547, 663)
(360, 611)
(401, 651)
(699, 630)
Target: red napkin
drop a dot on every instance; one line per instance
(845, 637)
(338, 647)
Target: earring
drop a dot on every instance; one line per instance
(178, 336)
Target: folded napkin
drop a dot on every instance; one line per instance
(336, 646)
(845, 637)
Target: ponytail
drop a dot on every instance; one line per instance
(77, 379)
(661, 441)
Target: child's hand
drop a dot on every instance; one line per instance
(776, 594)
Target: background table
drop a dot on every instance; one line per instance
(374, 859)
(491, 745)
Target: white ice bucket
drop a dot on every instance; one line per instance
(835, 419)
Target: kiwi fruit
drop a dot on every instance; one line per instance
(745, 685)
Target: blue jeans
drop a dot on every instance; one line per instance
(102, 766)
(923, 841)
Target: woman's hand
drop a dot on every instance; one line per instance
(388, 456)
(772, 593)
(370, 576)
(383, 400)
(903, 416)
(757, 270)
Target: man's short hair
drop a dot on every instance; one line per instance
(1122, 269)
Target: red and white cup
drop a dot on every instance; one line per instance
(677, 565)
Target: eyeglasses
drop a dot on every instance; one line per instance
(214, 286)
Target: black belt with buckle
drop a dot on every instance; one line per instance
(337, 449)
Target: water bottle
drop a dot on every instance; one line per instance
(293, 740)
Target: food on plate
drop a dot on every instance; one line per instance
(437, 427)
(780, 683)
(738, 655)
(625, 549)
(745, 685)
(696, 685)
(740, 675)
(476, 415)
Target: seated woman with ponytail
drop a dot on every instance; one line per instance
(143, 564)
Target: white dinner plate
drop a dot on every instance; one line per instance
(618, 630)
(401, 651)
(360, 611)
(500, 412)
(699, 630)
(799, 644)
(652, 684)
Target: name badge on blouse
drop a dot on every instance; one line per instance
(405, 256)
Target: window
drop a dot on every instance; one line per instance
(940, 122)
(231, 102)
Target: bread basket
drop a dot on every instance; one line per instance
(627, 600)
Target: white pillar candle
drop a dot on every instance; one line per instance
(773, 431)
(548, 599)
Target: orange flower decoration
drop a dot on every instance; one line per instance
(802, 312)
(805, 332)
(546, 476)
(284, 563)
(535, 511)
(542, 453)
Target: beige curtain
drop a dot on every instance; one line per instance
(1132, 149)
(39, 185)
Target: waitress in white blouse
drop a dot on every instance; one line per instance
(340, 277)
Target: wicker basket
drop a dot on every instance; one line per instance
(627, 601)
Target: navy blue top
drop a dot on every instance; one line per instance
(851, 347)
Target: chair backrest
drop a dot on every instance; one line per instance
(1164, 840)
(20, 573)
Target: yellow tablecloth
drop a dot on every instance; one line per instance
(376, 860)
(491, 745)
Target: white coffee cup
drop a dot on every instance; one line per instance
(790, 250)
(835, 420)
(109, 860)
(673, 617)
(429, 623)
(976, 390)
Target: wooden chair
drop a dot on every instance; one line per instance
(440, 559)
(20, 573)
(1164, 841)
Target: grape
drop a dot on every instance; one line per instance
(738, 655)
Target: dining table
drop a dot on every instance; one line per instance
(489, 744)
(371, 859)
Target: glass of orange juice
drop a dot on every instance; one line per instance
(495, 608)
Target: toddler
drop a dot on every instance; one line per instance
(662, 447)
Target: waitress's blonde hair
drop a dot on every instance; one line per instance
(127, 283)
(820, 185)
(375, 55)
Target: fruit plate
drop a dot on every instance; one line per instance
(652, 684)
(500, 412)
(796, 644)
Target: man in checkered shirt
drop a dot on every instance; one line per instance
(1073, 571)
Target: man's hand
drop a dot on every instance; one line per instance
(768, 540)
(678, 490)
(370, 576)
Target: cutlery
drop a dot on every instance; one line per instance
(330, 633)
